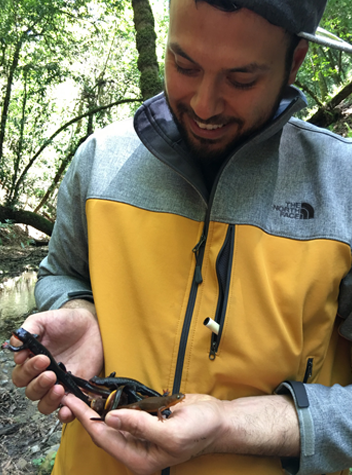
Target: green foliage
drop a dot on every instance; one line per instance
(326, 71)
(349, 129)
(58, 60)
(45, 464)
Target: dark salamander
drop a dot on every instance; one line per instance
(113, 392)
(30, 342)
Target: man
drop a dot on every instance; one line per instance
(264, 203)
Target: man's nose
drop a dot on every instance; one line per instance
(207, 100)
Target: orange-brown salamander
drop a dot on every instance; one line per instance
(156, 404)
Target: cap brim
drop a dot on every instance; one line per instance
(325, 38)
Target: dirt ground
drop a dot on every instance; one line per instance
(19, 252)
(28, 439)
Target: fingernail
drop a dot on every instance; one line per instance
(112, 419)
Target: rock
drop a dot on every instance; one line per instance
(35, 449)
(21, 463)
(52, 450)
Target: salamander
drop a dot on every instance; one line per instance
(112, 382)
(156, 404)
(103, 394)
(31, 343)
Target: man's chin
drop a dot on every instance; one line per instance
(208, 149)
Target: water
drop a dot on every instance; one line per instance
(16, 301)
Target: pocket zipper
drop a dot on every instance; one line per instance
(223, 269)
(309, 370)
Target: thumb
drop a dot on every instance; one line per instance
(140, 424)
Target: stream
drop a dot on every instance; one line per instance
(16, 302)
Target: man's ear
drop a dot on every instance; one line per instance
(298, 57)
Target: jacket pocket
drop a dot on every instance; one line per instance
(223, 271)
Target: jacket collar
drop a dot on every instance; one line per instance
(156, 129)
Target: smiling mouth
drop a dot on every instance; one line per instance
(209, 126)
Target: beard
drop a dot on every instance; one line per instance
(204, 151)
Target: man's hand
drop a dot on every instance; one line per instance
(264, 425)
(72, 336)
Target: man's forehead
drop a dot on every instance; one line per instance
(198, 28)
(249, 68)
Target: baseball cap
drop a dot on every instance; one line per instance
(300, 17)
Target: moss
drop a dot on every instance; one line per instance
(145, 38)
(150, 83)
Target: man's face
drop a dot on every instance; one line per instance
(224, 74)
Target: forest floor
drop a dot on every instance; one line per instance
(28, 439)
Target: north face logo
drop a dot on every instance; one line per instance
(295, 210)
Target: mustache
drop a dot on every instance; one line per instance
(214, 120)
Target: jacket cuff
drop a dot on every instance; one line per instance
(325, 427)
(299, 395)
(81, 294)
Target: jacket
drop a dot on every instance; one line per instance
(266, 254)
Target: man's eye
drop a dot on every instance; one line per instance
(185, 71)
(242, 84)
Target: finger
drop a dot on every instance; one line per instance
(65, 415)
(51, 400)
(125, 448)
(141, 425)
(20, 357)
(102, 435)
(41, 385)
(81, 410)
(23, 374)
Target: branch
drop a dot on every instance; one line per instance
(26, 217)
(63, 127)
(310, 92)
(328, 113)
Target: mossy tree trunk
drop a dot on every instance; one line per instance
(150, 82)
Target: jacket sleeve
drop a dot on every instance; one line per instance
(64, 273)
(325, 413)
(325, 428)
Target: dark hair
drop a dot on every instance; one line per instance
(293, 41)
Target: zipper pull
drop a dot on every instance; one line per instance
(212, 354)
(198, 275)
(197, 247)
(198, 272)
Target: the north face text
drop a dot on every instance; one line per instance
(295, 210)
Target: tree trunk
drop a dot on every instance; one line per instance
(26, 217)
(7, 98)
(19, 146)
(150, 82)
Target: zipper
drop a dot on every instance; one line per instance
(309, 370)
(223, 270)
(197, 279)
